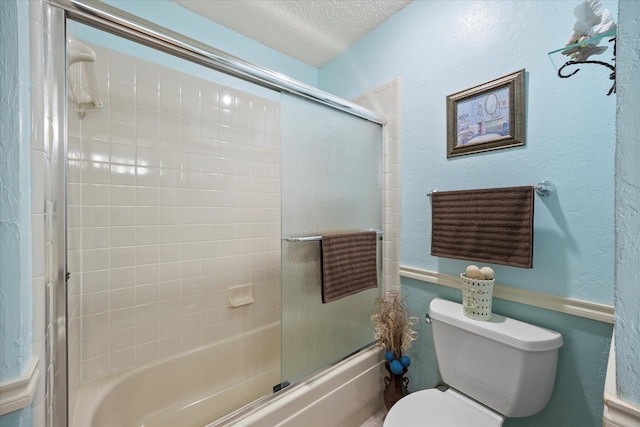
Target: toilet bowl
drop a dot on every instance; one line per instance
(442, 409)
(494, 369)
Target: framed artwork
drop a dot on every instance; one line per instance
(487, 117)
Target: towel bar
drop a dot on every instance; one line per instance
(316, 238)
(543, 189)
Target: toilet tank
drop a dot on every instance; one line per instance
(508, 365)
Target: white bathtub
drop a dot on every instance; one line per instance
(203, 386)
(193, 389)
(348, 394)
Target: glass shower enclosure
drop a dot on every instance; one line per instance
(331, 182)
(184, 184)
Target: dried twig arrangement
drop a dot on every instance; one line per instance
(393, 323)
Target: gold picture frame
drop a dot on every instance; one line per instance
(487, 117)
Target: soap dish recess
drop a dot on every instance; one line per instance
(237, 296)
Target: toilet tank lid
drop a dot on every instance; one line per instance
(511, 332)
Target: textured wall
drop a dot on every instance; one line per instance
(582, 360)
(627, 202)
(439, 48)
(15, 306)
(15, 248)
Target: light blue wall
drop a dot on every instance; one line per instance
(183, 21)
(442, 47)
(15, 224)
(627, 204)
(136, 50)
(15, 219)
(438, 48)
(582, 360)
(20, 418)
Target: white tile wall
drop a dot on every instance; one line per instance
(40, 217)
(174, 195)
(385, 100)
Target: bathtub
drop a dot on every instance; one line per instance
(347, 394)
(192, 389)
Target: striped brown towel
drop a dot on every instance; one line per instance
(492, 225)
(348, 264)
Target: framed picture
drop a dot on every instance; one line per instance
(487, 117)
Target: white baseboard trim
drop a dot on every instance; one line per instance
(617, 412)
(18, 393)
(575, 307)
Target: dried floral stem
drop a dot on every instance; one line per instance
(393, 324)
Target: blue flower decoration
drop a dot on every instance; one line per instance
(396, 367)
(405, 361)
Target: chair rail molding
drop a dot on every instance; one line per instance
(575, 307)
(18, 393)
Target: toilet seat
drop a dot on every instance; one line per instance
(440, 409)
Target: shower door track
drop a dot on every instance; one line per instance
(117, 21)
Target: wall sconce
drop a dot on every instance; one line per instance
(590, 29)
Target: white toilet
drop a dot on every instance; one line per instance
(495, 369)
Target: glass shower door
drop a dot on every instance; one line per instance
(331, 182)
(173, 201)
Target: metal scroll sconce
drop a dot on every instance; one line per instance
(590, 28)
(576, 62)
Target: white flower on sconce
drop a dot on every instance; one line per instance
(590, 23)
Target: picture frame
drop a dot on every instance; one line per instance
(487, 117)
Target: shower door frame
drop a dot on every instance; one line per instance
(54, 21)
(118, 22)
(115, 21)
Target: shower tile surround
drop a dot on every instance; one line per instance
(43, 166)
(173, 196)
(385, 101)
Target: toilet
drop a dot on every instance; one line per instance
(494, 369)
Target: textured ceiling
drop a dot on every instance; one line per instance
(312, 31)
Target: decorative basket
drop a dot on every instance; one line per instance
(476, 298)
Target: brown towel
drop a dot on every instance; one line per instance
(348, 264)
(491, 225)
